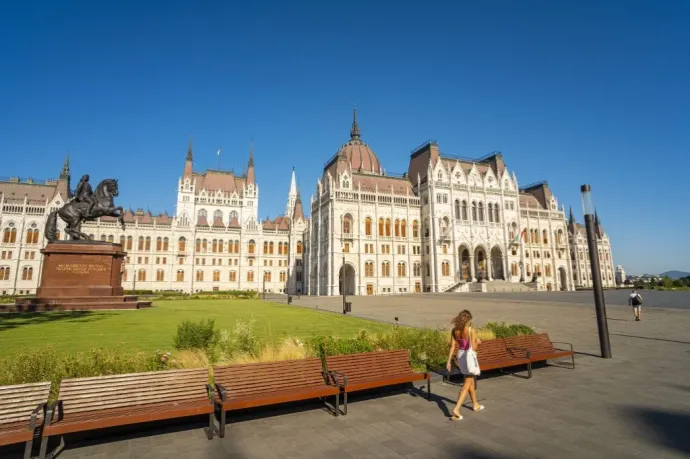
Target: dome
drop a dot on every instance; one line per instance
(358, 154)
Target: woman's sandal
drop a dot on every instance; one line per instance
(456, 418)
(481, 407)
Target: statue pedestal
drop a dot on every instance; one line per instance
(81, 275)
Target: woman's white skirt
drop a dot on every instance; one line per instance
(462, 363)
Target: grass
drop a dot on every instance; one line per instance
(150, 329)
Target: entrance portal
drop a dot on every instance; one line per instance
(347, 279)
(497, 263)
(564, 279)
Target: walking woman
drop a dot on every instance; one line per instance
(463, 339)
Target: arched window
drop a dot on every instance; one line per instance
(214, 245)
(32, 234)
(367, 226)
(166, 244)
(160, 275)
(299, 247)
(148, 244)
(369, 269)
(474, 211)
(9, 235)
(250, 276)
(560, 236)
(415, 228)
(267, 276)
(385, 269)
(514, 269)
(537, 269)
(402, 269)
(251, 247)
(426, 227)
(491, 212)
(198, 245)
(265, 247)
(204, 245)
(403, 228)
(280, 248)
(445, 268)
(512, 230)
(547, 270)
(497, 215)
(216, 276)
(129, 242)
(181, 244)
(457, 209)
(27, 273)
(388, 227)
(201, 217)
(464, 210)
(199, 276)
(545, 237)
(111, 238)
(270, 247)
(347, 224)
(140, 245)
(396, 228)
(180, 275)
(102, 238)
(122, 241)
(480, 206)
(141, 275)
(283, 276)
(232, 276)
(528, 270)
(4, 273)
(380, 226)
(237, 246)
(417, 269)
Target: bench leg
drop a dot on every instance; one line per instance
(529, 370)
(573, 356)
(345, 403)
(221, 431)
(337, 404)
(428, 389)
(27, 449)
(44, 446)
(211, 429)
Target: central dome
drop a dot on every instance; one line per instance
(358, 153)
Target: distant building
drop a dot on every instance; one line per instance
(620, 275)
(580, 256)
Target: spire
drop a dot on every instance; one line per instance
(189, 148)
(188, 160)
(354, 131)
(596, 217)
(571, 219)
(65, 167)
(292, 195)
(250, 165)
(298, 211)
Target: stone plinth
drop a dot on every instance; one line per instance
(80, 275)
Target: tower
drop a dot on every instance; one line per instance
(292, 195)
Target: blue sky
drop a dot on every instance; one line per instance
(572, 92)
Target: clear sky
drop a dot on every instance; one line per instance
(573, 92)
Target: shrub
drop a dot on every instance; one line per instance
(426, 346)
(323, 346)
(196, 335)
(502, 330)
(290, 349)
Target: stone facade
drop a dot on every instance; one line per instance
(579, 253)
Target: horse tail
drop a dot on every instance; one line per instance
(51, 227)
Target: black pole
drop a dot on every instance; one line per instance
(342, 285)
(599, 303)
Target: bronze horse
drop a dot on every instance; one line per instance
(73, 213)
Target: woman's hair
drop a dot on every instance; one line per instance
(460, 321)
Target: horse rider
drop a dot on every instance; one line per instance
(84, 193)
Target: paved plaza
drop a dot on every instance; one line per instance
(634, 405)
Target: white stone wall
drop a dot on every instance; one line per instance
(581, 266)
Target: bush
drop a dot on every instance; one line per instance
(138, 292)
(196, 335)
(323, 346)
(502, 330)
(242, 341)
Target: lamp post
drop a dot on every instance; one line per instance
(599, 304)
(343, 282)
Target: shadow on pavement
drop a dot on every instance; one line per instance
(650, 338)
(666, 428)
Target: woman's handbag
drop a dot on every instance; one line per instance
(471, 361)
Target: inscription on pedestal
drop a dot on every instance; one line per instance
(80, 268)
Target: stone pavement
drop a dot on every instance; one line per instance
(634, 405)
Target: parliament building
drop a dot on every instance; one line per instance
(447, 224)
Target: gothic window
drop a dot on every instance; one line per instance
(102, 238)
(474, 211)
(480, 206)
(426, 227)
(265, 247)
(122, 241)
(237, 246)
(232, 277)
(464, 210)
(251, 247)
(491, 212)
(9, 235)
(159, 244)
(513, 230)
(4, 273)
(27, 273)
(369, 269)
(514, 269)
(367, 226)
(457, 209)
(385, 269)
(233, 216)
(402, 269)
(415, 228)
(440, 175)
(180, 275)
(347, 224)
(111, 238)
(202, 217)
(380, 226)
(283, 276)
(280, 248)
(497, 217)
(129, 242)
(140, 245)
(545, 237)
(141, 275)
(148, 244)
(218, 215)
(181, 244)
(270, 248)
(417, 269)
(403, 228)
(32, 234)
(299, 247)
(183, 220)
(396, 228)
(388, 227)
(216, 276)
(199, 276)
(547, 270)
(160, 275)
(445, 268)
(428, 269)
(445, 226)
(250, 276)
(528, 270)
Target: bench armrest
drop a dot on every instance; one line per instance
(336, 375)
(34, 414)
(523, 349)
(209, 392)
(561, 342)
(53, 412)
(222, 392)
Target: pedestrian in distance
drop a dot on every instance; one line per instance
(635, 300)
(464, 341)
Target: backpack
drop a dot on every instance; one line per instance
(638, 300)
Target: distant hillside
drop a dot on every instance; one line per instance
(675, 274)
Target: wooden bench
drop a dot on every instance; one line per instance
(374, 369)
(107, 401)
(493, 354)
(22, 409)
(538, 348)
(260, 384)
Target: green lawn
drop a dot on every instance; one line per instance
(152, 329)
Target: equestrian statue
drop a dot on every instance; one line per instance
(85, 205)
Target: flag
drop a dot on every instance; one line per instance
(218, 152)
(519, 237)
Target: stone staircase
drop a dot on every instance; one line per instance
(505, 286)
(460, 286)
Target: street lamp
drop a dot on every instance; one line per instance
(599, 304)
(343, 282)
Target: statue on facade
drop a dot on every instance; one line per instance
(87, 205)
